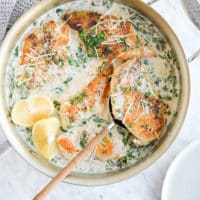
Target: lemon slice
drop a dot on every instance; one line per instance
(44, 133)
(21, 115)
(40, 107)
(27, 112)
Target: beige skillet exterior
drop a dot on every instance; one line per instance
(41, 164)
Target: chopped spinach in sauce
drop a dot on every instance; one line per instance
(166, 85)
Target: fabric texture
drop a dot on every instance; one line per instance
(10, 11)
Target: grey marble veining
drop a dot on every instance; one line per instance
(19, 181)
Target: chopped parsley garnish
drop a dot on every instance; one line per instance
(79, 98)
(160, 43)
(137, 40)
(58, 90)
(109, 49)
(147, 94)
(135, 153)
(59, 11)
(69, 126)
(68, 47)
(84, 34)
(83, 140)
(79, 59)
(16, 51)
(71, 101)
(62, 129)
(111, 163)
(126, 89)
(102, 67)
(92, 41)
(146, 62)
(109, 78)
(110, 134)
(123, 40)
(28, 130)
(72, 61)
(67, 81)
(56, 104)
(82, 143)
(125, 140)
(23, 97)
(97, 119)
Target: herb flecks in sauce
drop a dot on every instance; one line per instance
(66, 82)
(92, 41)
(64, 70)
(16, 51)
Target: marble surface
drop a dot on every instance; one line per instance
(20, 181)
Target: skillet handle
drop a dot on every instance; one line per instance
(4, 147)
(151, 2)
(194, 56)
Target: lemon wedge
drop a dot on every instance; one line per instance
(27, 112)
(44, 134)
(21, 115)
(40, 107)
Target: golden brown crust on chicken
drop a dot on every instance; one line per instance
(81, 20)
(107, 36)
(145, 118)
(142, 115)
(43, 47)
(49, 39)
(33, 41)
(118, 35)
(95, 94)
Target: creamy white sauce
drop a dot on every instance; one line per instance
(158, 69)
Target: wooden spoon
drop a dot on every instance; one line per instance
(79, 157)
(73, 163)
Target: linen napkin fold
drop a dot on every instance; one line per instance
(10, 11)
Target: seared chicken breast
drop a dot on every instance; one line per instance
(44, 47)
(132, 103)
(107, 36)
(38, 45)
(94, 96)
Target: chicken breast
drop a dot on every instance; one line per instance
(107, 36)
(93, 97)
(132, 103)
(44, 43)
(43, 48)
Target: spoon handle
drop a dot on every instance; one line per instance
(73, 163)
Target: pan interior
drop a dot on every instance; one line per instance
(163, 72)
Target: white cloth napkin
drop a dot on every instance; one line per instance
(10, 11)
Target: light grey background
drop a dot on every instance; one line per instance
(10, 10)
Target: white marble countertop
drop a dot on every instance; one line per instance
(20, 181)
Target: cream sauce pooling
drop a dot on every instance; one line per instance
(162, 70)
